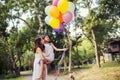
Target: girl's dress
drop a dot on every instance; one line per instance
(36, 67)
(49, 52)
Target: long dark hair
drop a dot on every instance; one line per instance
(37, 43)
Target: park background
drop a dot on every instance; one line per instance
(87, 36)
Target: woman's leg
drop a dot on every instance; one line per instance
(41, 70)
(44, 72)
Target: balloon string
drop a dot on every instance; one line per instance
(62, 58)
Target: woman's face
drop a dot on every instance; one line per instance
(47, 39)
(42, 41)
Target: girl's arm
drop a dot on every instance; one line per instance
(58, 49)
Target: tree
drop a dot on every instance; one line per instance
(100, 20)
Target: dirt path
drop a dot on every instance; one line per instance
(50, 77)
(77, 73)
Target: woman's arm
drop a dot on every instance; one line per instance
(58, 49)
(40, 52)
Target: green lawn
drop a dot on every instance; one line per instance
(18, 78)
(108, 71)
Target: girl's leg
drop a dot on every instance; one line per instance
(41, 68)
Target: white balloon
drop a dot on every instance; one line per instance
(47, 19)
(47, 10)
(71, 7)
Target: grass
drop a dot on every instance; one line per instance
(110, 64)
(10, 76)
(18, 78)
(108, 71)
(26, 72)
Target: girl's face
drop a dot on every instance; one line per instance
(47, 39)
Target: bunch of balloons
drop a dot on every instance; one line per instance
(61, 11)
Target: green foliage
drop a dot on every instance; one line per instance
(27, 59)
(85, 52)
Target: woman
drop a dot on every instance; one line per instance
(39, 60)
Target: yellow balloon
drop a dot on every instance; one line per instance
(63, 6)
(54, 23)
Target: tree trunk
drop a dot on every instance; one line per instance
(40, 30)
(96, 48)
(70, 52)
(37, 11)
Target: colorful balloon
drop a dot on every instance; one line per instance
(54, 11)
(71, 7)
(47, 19)
(60, 17)
(63, 6)
(55, 2)
(54, 23)
(47, 10)
(59, 29)
(67, 17)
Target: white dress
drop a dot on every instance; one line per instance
(49, 52)
(36, 67)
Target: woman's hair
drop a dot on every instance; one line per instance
(38, 43)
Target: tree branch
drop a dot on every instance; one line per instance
(25, 22)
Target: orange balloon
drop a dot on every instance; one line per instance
(60, 17)
(54, 11)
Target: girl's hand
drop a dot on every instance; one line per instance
(65, 49)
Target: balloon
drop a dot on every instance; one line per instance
(71, 7)
(63, 5)
(47, 10)
(73, 15)
(67, 17)
(59, 29)
(47, 19)
(54, 11)
(60, 17)
(54, 23)
(55, 2)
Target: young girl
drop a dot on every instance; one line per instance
(49, 49)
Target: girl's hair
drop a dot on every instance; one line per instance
(38, 43)
(45, 36)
